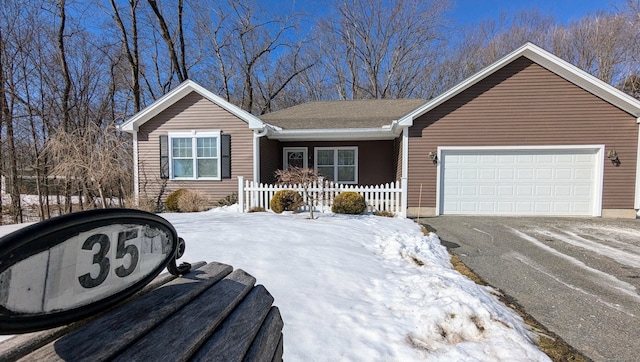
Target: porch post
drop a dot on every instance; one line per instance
(636, 203)
(136, 177)
(403, 204)
(241, 192)
(405, 171)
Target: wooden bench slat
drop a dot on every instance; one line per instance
(110, 334)
(233, 338)
(265, 344)
(180, 336)
(277, 357)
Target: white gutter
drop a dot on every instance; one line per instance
(345, 134)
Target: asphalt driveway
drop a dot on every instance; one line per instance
(580, 277)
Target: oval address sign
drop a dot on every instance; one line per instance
(70, 267)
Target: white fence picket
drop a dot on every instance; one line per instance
(385, 197)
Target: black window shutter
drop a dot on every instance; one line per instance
(164, 157)
(225, 153)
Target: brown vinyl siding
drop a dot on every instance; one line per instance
(270, 159)
(525, 104)
(194, 112)
(375, 158)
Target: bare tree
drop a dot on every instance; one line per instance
(304, 177)
(377, 49)
(130, 45)
(177, 61)
(7, 105)
(601, 44)
(92, 156)
(255, 57)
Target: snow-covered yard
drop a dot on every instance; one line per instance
(359, 288)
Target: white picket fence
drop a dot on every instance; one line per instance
(387, 197)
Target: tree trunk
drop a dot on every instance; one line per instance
(16, 207)
(166, 35)
(131, 51)
(66, 119)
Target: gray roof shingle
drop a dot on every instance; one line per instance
(370, 113)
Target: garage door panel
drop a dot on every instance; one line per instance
(563, 174)
(469, 191)
(469, 159)
(525, 190)
(544, 158)
(564, 158)
(582, 191)
(506, 159)
(543, 190)
(487, 190)
(543, 207)
(511, 182)
(488, 159)
(505, 190)
(562, 207)
(506, 174)
(469, 174)
(487, 174)
(581, 207)
(583, 174)
(544, 174)
(562, 190)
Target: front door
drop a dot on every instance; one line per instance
(294, 157)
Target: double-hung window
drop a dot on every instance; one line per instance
(194, 155)
(338, 164)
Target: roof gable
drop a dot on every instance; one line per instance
(133, 124)
(548, 61)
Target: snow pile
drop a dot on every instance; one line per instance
(360, 288)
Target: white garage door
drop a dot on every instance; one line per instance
(520, 181)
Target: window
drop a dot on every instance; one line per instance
(338, 164)
(194, 155)
(294, 157)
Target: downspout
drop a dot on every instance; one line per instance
(256, 152)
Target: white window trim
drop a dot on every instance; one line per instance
(285, 160)
(194, 135)
(335, 160)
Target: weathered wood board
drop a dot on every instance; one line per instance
(210, 314)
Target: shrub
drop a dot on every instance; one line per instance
(172, 200)
(229, 200)
(257, 209)
(145, 203)
(384, 213)
(349, 202)
(192, 201)
(286, 200)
